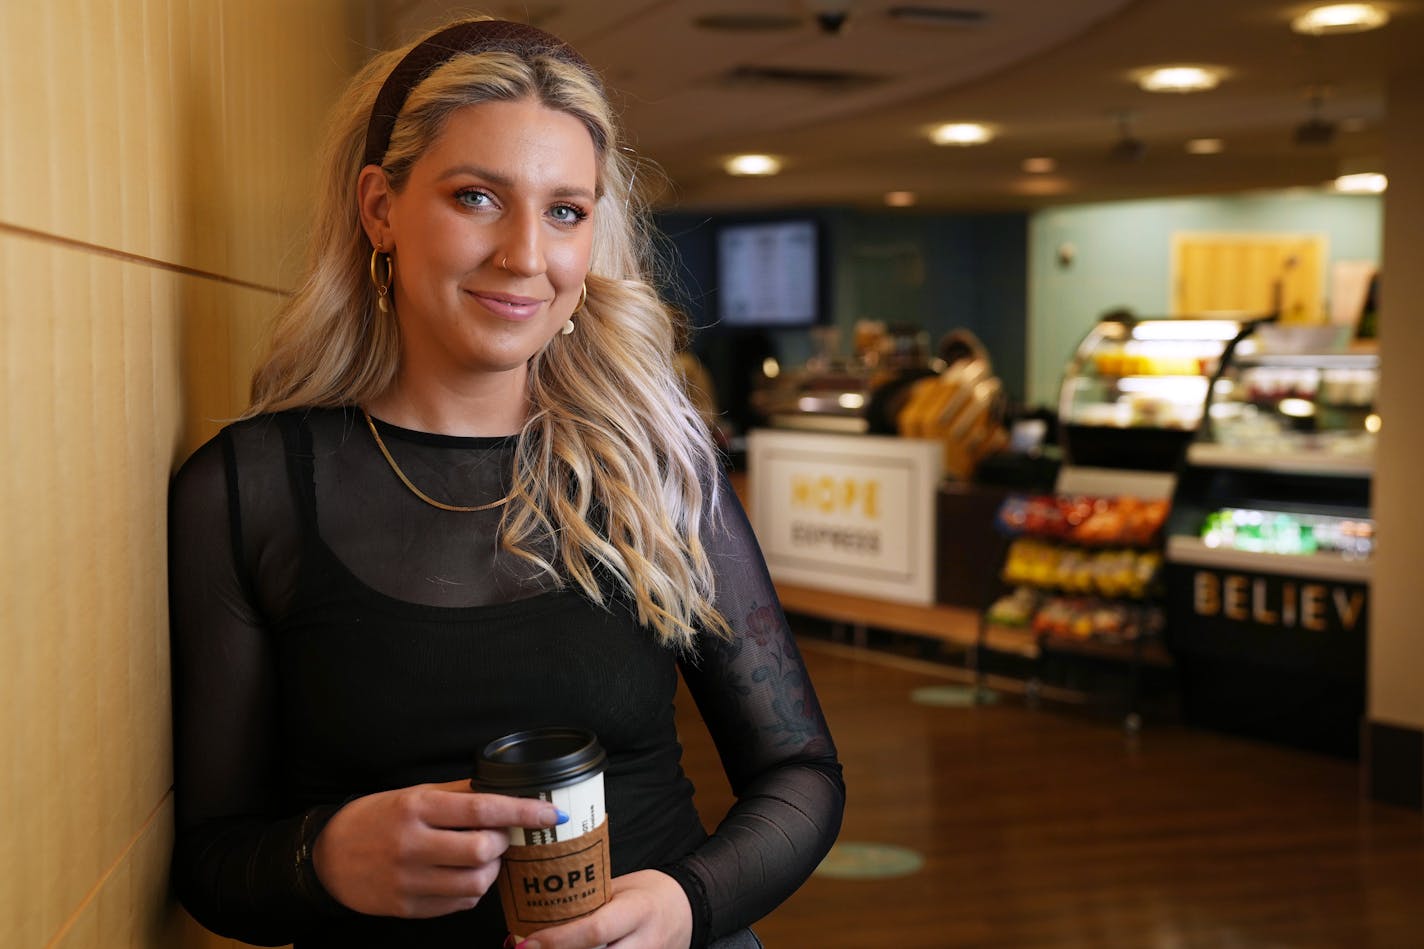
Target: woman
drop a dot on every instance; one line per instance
(471, 498)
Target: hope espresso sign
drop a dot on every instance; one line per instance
(849, 513)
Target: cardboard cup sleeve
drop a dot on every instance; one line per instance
(542, 885)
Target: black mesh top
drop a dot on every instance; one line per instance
(335, 636)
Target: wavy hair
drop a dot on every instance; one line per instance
(614, 470)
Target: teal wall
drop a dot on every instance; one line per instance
(1123, 259)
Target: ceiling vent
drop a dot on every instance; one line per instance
(747, 22)
(811, 80)
(917, 14)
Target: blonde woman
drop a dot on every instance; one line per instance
(470, 498)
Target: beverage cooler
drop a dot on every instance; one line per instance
(1269, 544)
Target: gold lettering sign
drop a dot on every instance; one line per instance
(1348, 606)
(1260, 612)
(1243, 598)
(831, 495)
(1206, 593)
(1312, 607)
(1236, 597)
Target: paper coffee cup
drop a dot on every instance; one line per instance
(555, 874)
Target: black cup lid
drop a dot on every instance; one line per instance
(539, 759)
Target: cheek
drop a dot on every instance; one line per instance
(568, 265)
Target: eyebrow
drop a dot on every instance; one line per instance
(504, 181)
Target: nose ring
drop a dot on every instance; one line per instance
(504, 263)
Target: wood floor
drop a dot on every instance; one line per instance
(1046, 827)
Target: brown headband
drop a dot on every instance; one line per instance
(475, 36)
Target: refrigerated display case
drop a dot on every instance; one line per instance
(1133, 392)
(1269, 548)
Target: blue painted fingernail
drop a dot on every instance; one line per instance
(562, 817)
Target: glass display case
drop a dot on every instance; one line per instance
(1270, 541)
(1133, 393)
(1292, 411)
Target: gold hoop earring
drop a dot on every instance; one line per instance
(383, 287)
(583, 297)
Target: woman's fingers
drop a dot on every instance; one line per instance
(420, 851)
(446, 805)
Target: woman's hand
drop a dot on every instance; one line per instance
(420, 851)
(648, 910)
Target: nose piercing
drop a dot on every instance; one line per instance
(504, 263)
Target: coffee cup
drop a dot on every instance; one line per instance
(550, 875)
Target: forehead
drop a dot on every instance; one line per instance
(522, 139)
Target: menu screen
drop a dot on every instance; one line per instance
(768, 273)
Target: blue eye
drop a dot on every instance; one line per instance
(568, 213)
(472, 198)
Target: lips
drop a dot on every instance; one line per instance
(508, 306)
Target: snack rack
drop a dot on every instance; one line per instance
(1081, 584)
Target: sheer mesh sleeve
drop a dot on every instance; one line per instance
(763, 715)
(237, 857)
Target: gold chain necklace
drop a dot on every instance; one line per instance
(416, 491)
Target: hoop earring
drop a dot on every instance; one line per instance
(568, 326)
(383, 300)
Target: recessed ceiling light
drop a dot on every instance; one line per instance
(900, 199)
(1368, 182)
(1340, 18)
(1206, 146)
(961, 133)
(1179, 79)
(1039, 166)
(758, 165)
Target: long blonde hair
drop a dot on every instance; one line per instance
(614, 469)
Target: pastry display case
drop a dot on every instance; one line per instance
(1133, 393)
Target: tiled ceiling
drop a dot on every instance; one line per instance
(1053, 75)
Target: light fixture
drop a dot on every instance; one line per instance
(1365, 182)
(1128, 147)
(1205, 146)
(1039, 166)
(1340, 18)
(900, 199)
(1187, 329)
(758, 165)
(1179, 79)
(1316, 129)
(961, 133)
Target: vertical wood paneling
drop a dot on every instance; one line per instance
(182, 131)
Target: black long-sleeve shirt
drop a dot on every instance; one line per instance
(335, 636)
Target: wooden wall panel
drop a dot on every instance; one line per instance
(154, 165)
(179, 130)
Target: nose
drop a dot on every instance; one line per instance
(521, 246)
